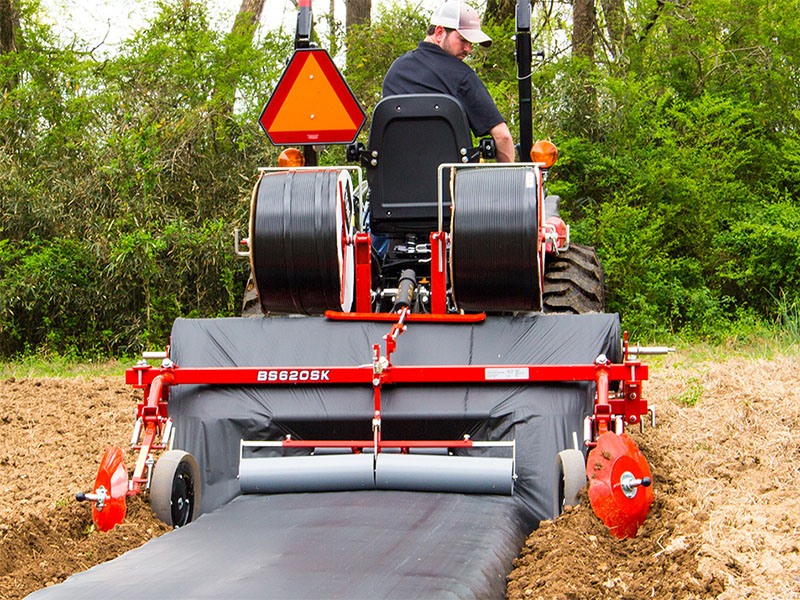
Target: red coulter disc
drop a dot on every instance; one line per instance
(615, 460)
(113, 478)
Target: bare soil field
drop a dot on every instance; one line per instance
(725, 460)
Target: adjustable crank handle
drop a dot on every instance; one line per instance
(98, 498)
(628, 483)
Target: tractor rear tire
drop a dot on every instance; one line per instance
(570, 479)
(175, 491)
(574, 282)
(251, 305)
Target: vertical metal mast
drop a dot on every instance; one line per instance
(524, 58)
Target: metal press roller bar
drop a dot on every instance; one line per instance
(327, 473)
(386, 471)
(453, 474)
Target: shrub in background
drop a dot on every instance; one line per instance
(122, 179)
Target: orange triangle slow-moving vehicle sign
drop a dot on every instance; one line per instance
(312, 103)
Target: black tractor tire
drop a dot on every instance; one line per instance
(251, 306)
(574, 282)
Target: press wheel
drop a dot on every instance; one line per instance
(570, 478)
(175, 490)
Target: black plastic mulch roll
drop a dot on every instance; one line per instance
(494, 237)
(296, 241)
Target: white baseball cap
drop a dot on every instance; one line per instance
(458, 15)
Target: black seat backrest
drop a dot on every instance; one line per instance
(411, 135)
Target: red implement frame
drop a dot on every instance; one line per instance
(156, 381)
(362, 243)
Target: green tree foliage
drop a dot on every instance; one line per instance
(122, 179)
(695, 138)
(395, 29)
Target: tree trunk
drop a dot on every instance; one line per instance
(245, 24)
(249, 15)
(583, 19)
(584, 104)
(9, 23)
(498, 11)
(617, 25)
(358, 13)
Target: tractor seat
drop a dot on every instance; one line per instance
(411, 135)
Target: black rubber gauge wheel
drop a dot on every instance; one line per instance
(570, 477)
(175, 489)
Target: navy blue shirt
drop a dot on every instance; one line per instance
(430, 70)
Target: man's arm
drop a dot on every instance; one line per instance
(503, 142)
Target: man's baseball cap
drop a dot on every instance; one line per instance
(458, 15)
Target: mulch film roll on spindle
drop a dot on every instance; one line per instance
(296, 240)
(494, 235)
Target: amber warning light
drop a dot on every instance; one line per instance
(545, 153)
(312, 103)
